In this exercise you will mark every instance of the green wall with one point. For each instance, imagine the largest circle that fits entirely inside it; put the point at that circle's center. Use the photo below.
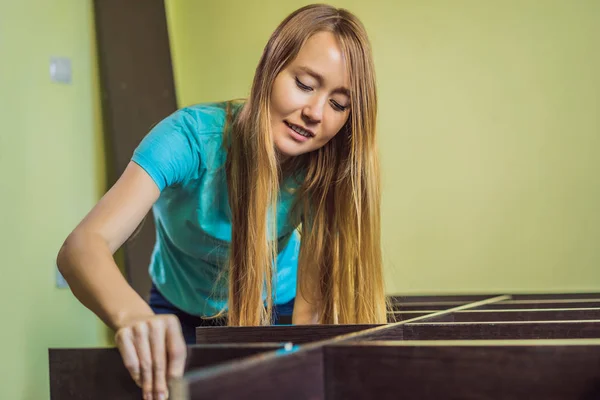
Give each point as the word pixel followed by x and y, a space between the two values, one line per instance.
pixel 51 163
pixel 489 130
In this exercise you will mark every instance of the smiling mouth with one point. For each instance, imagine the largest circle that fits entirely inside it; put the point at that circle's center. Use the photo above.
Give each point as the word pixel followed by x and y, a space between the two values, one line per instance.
pixel 299 130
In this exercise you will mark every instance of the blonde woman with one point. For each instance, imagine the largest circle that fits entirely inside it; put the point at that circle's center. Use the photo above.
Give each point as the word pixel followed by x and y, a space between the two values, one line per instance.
pixel 262 206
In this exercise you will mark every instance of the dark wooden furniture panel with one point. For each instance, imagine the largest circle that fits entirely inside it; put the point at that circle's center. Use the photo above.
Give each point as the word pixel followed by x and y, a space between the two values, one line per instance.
pixel 470 298
pixel 453 298
pixel 555 296
pixel 77 374
pixel 398 316
pixel 426 307
pixel 445 305
pixel 137 91
pixel 433 303
pixel 444 348
pixel 392 371
pixel 518 315
pixel 289 375
pixel 479 331
pixel 275 334
pixel 529 305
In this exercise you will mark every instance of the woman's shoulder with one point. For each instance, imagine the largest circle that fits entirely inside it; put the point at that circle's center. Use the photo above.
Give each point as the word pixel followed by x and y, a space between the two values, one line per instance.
pixel 208 118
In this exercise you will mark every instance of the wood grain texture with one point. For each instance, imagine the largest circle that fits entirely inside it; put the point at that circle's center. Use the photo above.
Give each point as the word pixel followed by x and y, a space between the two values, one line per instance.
pixel 437 358
pixel 556 296
pixel 426 307
pixel 137 91
pixel 519 315
pixel 398 316
pixel 99 373
pixel 491 330
pixel 510 305
pixel 275 334
pixel 289 375
pixel 455 298
pixel 357 371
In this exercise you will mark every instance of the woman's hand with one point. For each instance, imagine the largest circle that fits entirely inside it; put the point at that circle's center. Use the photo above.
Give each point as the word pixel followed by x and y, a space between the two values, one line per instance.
pixel 154 351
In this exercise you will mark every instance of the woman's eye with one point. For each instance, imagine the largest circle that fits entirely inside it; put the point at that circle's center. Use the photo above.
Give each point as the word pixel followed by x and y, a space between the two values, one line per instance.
pixel 303 86
pixel 338 106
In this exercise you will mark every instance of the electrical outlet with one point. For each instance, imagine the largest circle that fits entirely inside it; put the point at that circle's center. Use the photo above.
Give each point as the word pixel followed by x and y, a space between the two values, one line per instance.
pixel 60 69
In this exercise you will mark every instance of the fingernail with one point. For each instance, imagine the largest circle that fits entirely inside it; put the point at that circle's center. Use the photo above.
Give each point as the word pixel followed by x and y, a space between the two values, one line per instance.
pixel 161 396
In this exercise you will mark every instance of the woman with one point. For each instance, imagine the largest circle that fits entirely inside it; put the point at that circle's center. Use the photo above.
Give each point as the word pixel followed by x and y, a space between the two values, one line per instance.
pixel 234 186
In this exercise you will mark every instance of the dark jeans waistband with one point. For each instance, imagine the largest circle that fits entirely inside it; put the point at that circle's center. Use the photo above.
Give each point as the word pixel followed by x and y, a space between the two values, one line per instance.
pixel 160 305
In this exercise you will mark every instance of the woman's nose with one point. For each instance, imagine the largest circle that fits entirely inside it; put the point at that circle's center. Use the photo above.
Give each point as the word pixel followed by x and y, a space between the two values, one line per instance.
pixel 314 111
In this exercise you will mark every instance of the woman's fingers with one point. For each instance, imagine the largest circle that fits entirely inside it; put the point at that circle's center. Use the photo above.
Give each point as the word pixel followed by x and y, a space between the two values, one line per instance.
pixel 176 349
pixel 125 343
pixel 159 357
pixel 142 345
pixel 153 351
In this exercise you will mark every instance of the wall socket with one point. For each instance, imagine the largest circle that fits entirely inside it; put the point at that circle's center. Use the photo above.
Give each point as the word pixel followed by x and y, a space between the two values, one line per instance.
pixel 60 70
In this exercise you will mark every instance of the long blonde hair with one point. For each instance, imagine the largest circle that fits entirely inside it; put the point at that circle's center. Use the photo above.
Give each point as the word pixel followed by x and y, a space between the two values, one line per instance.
pixel 338 201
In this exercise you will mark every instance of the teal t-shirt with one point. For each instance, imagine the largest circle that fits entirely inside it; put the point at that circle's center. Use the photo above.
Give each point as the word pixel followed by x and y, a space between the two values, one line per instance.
pixel 185 157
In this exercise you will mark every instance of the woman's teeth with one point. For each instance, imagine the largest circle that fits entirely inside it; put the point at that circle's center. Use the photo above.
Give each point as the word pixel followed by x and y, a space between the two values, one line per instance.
pixel 299 131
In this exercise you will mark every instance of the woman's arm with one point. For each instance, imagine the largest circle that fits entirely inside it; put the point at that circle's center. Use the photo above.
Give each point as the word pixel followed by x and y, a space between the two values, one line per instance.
pixel 86 261
pixel 86 257
pixel 304 312
pixel 305 305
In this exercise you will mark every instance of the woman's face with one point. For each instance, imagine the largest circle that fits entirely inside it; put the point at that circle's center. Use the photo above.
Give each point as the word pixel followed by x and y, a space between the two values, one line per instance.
pixel 310 97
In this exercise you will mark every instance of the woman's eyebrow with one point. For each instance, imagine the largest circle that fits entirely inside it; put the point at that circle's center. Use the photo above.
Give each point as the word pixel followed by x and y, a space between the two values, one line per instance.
pixel 342 89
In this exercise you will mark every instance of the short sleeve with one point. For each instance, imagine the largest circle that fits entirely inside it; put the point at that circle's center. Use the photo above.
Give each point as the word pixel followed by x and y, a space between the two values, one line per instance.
pixel 169 152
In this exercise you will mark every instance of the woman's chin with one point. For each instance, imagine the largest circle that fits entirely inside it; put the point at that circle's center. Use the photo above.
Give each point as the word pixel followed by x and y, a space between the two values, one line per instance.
pixel 288 148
